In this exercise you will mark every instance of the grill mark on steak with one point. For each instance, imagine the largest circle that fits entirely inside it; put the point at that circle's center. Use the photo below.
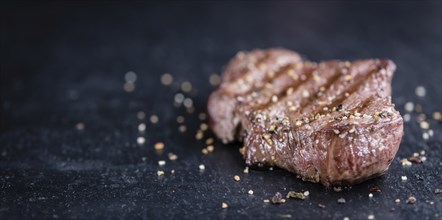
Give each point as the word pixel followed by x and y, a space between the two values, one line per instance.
pixel 349 88
pixel 270 78
pixel 224 119
pixel 253 78
pixel 354 139
pixel 265 95
pixel 283 95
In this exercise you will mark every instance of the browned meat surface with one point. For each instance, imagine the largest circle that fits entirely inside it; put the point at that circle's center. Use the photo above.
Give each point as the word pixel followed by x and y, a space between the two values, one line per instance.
pixel 331 122
pixel 245 73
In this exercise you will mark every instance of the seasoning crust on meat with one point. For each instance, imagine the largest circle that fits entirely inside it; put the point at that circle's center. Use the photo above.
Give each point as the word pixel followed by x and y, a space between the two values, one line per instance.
pixel 331 122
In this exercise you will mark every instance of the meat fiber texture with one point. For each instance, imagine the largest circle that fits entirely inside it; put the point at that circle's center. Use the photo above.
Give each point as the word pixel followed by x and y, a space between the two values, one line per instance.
pixel 331 122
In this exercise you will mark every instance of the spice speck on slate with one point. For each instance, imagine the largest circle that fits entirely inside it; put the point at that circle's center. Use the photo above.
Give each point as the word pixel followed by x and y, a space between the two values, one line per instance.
pixel 166 79
pixel 224 205
pixel 159 146
pixel 237 178
pixel 141 140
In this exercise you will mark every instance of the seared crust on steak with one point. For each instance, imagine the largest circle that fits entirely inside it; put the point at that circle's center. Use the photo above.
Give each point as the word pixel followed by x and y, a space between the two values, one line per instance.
pixel 244 74
pixel 331 122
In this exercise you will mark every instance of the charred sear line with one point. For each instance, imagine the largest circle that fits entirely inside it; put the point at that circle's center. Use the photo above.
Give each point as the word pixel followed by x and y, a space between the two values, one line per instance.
pixel 351 88
pixel 326 86
pixel 245 70
pixel 283 95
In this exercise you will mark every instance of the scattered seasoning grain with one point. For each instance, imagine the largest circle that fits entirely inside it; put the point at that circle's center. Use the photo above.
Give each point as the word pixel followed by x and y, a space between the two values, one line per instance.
pixel 397 201
pixel 246 170
pixel 210 148
pixel 407 117
pixel 172 156
pixel 268 139
pixel 236 178
pixel 437 191
pixel 179 98
pixel 159 146
pixel 202 167
pixel 305 93
pixel 199 135
pixel 370 195
pixel 203 126
pixel 154 119
pixel 180 119
pixel 204 151
pixel 141 127
pixel 130 77
pixel 341 201
pixel 242 150
pixel 129 87
pixel 182 128
pixel 141 115
pixel 425 136
pixel 141 140
pixel 209 141
pixel 250 192
pixel 188 103
pixel 424 125
pixel 409 106
pixel 266 200
pixel 202 116
pixel 437 116
pixel 337 189
pixel 272 128
pixel 172 171
pixel 370 217
pixel 224 205
pixel 277 198
pixel 295 195
pixel 80 126
pixel 404 178
pixel 306 193
pixel 214 79
pixel 420 91
pixel 166 79
pixel 161 162
pixel 186 86
pixel 411 200
pixel 321 206
pixel 160 172
pixel 346 218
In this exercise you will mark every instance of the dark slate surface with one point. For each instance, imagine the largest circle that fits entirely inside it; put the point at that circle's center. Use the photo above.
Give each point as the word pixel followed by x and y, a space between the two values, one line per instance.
pixel 64 63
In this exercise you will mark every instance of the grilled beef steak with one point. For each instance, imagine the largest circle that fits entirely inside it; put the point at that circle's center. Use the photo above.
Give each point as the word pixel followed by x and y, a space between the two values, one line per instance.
pixel 331 122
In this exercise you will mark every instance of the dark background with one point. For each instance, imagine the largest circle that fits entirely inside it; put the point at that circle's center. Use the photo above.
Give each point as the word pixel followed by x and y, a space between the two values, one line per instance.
pixel 64 63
